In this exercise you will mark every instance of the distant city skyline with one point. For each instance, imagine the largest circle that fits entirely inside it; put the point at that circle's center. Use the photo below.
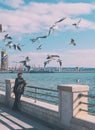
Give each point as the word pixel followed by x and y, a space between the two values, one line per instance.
pixel 27 19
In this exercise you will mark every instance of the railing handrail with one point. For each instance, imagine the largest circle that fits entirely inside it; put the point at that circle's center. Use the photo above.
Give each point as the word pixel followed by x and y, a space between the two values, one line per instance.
pixel 87 103
pixel 37 93
pixel 90 96
pixel 43 88
pixel 42 94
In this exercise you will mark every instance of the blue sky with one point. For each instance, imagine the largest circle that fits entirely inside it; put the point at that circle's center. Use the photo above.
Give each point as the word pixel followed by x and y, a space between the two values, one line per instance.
pixel 27 19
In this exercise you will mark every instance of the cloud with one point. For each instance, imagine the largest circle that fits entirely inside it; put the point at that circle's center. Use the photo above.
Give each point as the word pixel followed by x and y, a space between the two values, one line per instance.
pixel 12 3
pixel 38 17
pixel 81 58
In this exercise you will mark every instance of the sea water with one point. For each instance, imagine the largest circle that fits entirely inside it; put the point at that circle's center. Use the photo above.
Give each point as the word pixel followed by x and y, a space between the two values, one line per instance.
pixel 51 80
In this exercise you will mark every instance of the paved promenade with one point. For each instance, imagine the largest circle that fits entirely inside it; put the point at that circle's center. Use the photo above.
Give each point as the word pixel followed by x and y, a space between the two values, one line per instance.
pixel 12 120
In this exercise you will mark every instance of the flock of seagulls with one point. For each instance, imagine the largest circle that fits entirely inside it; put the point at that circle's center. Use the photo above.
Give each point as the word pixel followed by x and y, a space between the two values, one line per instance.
pixel 49 32
pixel 52 28
pixel 50 58
pixel 9 42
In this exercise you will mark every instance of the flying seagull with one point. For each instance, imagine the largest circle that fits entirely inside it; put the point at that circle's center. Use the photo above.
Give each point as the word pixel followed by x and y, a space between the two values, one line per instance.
pixel 73 42
pixel 7 37
pixel 54 25
pixel 49 32
pixel 52 28
pixel 76 24
pixel 27 59
pixel 39 47
pixel 46 62
pixel 10 44
pixel 60 62
pixel 60 20
pixel 52 56
pixel 24 62
pixel 37 38
pixel 17 47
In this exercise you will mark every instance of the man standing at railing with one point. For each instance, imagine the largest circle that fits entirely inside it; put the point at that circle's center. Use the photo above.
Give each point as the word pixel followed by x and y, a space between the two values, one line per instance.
pixel 18 90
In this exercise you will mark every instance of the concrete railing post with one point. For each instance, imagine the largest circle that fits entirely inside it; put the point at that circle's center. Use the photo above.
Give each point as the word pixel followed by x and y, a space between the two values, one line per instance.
pixel 69 101
pixel 9 89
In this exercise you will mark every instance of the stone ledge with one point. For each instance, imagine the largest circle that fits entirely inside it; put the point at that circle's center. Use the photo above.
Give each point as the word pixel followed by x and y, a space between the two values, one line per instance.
pixel 87 121
pixel 40 103
pixel 73 87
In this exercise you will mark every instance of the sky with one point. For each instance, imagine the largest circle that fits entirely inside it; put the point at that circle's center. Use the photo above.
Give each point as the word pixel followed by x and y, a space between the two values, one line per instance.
pixel 27 19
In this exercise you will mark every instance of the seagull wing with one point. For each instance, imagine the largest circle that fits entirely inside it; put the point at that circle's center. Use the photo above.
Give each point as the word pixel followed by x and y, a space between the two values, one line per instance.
pixel 46 62
pixel 18 47
pixel 9 38
pixel 50 29
pixel 15 47
pixel 45 36
pixel 55 56
pixel 60 20
pixel 39 47
pixel 9 43
pixel 6 35
pixel 48 57
pixel 60 62
pixel 79 21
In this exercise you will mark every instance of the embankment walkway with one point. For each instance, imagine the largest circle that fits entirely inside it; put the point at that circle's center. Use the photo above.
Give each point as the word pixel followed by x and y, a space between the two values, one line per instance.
pixel 14 120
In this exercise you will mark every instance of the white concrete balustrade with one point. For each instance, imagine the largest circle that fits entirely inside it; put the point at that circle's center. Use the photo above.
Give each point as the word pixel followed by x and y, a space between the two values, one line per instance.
pixel 67 114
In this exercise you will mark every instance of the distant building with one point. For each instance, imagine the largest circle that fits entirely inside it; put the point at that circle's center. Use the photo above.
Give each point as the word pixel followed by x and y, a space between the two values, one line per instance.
pixel 4 60
pixel 0 27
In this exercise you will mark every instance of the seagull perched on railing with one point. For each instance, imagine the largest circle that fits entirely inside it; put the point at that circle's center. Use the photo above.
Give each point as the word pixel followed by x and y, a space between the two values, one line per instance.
pixel 76 24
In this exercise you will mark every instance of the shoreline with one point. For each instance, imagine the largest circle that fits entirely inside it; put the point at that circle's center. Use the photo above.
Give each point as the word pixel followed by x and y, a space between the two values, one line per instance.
pixel 48 71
